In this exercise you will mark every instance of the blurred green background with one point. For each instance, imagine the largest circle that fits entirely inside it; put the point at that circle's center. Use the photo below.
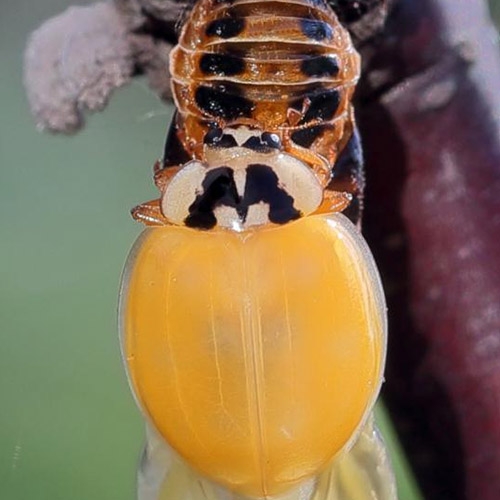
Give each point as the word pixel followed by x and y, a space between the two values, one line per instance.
pixel 69 428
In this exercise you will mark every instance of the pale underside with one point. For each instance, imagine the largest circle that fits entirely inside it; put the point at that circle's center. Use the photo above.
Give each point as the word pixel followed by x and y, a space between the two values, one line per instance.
pixel 362 473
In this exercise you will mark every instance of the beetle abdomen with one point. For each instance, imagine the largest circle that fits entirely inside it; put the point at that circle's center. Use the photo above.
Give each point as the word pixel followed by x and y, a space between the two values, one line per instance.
pixel 288 68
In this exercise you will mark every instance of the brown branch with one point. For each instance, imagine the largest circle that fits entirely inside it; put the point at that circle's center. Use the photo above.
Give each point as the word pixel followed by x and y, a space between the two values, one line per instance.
pixel 432 136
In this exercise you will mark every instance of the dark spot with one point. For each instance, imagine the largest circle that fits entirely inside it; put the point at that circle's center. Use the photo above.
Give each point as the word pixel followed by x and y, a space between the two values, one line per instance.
pixel 350 11
pixel 316 30
pixel 262 184
pixel 306 136
pixel 217 139
pixel 272 140
pixel 265 143
pixel 219 189
pixel 228 27
pixel 320 66
pixel 213 136
pixel 221 64
pixel 223 101
pixel 322 107
pixel 227 141
pixel 254 143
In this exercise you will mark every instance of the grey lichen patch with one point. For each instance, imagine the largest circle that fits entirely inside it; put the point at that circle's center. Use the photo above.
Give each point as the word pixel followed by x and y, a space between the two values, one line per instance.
pixel 73 62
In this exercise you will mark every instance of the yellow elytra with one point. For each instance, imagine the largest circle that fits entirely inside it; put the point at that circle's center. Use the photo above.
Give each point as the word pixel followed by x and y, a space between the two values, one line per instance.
pixel 257 355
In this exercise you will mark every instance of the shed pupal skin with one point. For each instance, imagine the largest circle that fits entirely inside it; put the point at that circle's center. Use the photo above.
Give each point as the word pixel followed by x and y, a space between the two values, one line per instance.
pixel 245 179
pixel 290 69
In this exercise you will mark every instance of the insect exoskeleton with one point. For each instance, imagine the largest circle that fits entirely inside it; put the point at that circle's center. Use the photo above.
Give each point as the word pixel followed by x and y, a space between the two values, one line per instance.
pixel 244 180
pixel 257 355
pixel 287 67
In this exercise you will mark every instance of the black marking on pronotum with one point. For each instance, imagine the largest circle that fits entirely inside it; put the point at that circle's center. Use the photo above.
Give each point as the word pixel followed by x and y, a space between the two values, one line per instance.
pixel 316 30
pixel 265 143
pixel 323 105
pixel 226 28
pixel 223 101
pixel 219 188
pixel 320 66
pixel 306 136
pixel 221 64
pixel 262 184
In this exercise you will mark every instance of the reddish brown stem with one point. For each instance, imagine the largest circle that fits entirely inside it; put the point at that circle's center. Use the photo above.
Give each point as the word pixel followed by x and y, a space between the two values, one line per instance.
pixel 432 136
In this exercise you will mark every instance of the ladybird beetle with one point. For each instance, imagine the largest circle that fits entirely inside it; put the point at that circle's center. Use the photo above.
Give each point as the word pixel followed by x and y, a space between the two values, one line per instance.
pixel 253 320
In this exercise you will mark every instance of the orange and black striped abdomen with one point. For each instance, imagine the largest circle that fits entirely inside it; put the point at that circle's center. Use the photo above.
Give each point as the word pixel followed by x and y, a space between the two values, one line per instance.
pixel 285 67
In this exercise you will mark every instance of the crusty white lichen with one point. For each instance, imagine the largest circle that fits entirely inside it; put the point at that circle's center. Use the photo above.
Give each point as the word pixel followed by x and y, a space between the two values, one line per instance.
pixel 74 61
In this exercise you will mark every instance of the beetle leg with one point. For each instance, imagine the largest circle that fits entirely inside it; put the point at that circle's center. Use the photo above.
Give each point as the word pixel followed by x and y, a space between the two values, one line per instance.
pixel 334 201
pixel 294 115
pixel 320 165
pixel 149 213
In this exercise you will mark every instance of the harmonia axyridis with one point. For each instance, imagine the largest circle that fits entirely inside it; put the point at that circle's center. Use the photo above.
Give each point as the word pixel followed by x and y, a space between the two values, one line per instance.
pixel 252 316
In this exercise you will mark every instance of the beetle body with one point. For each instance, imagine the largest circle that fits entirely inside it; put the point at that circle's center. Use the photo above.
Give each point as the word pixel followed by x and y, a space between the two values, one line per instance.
pixel 256 355
pixel 253 319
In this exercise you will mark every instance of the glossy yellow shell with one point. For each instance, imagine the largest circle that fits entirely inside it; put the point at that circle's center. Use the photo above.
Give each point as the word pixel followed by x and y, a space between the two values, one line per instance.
pixel 256 355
